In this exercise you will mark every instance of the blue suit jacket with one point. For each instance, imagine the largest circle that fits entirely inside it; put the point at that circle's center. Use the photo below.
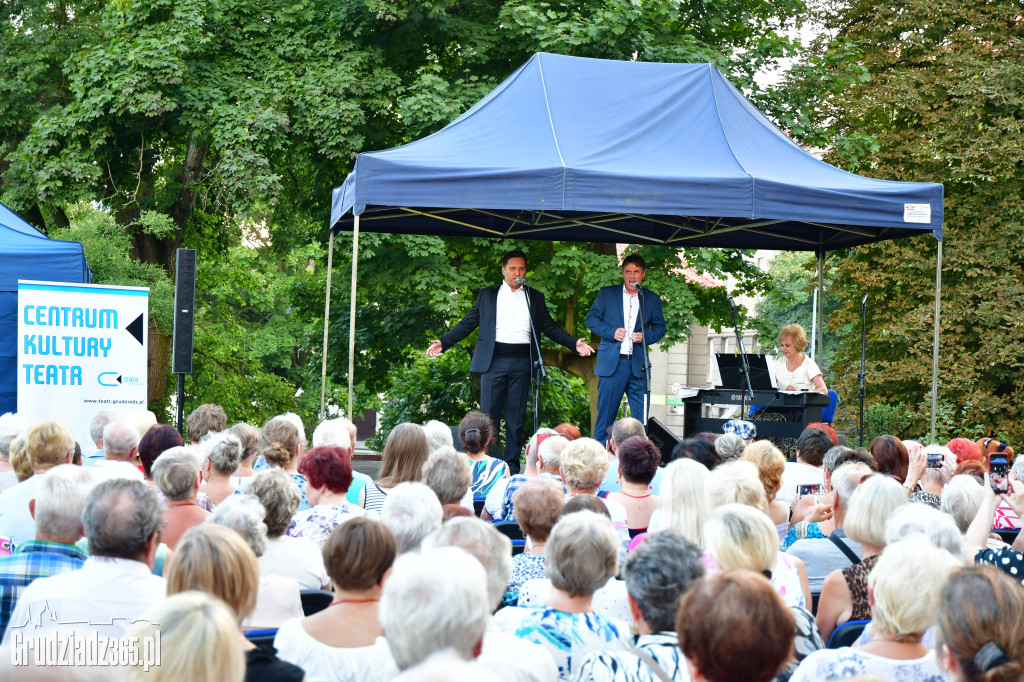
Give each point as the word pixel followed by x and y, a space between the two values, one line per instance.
pixel 606 316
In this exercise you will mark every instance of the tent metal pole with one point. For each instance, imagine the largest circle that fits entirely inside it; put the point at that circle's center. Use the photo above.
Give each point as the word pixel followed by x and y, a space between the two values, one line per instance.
pixel 352 317
pixel 327 320
pixel 935 339
pixel 820 305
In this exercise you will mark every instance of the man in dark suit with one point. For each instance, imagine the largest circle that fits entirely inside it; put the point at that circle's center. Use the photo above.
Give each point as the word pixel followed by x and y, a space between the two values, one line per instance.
pixel 504 352
pixel 620 356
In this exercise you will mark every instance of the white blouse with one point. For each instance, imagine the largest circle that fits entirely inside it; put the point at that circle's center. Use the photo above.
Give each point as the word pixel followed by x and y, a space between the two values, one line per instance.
pixel 802 379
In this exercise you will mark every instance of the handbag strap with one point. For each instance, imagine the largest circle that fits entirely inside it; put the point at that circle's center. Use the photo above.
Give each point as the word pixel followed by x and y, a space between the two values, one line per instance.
pixel 844 548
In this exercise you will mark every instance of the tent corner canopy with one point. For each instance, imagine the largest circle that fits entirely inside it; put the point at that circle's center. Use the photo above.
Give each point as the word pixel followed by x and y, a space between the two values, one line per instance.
pixel 593 150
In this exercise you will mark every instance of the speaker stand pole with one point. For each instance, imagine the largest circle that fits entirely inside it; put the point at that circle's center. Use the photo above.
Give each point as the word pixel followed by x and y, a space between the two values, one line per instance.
pixel 181 403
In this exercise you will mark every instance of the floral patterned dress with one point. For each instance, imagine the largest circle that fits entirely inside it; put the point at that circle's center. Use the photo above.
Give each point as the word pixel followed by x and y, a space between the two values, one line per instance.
pixel 571 636
pixel 486 473
pixel 316 523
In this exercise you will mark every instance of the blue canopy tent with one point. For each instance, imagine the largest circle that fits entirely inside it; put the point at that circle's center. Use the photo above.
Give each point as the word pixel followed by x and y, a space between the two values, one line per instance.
pixel 578 149
pixel 27 253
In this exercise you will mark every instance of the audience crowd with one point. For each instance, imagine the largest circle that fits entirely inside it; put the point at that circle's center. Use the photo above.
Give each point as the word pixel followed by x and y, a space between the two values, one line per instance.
pixel 251 554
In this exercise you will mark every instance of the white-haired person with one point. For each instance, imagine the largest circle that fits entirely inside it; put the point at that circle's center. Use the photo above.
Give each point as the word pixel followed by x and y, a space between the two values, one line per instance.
pixel 412 512
pixel 222 452
pixel 738 482
pixel 277 598
pixel 176 474
pixel 925 483
pixel 583 466
pixel 439 435
pixel 582 554
pixel 543 458
pixel 249 437
pixel 328 474
pixel 502 653
pixel 215 560
pixel 538 505
pixel 198 641
pixel 960 499
pixel 447 473
pixel 729 446
pixel 299 557
pixel 657 574
pixel 771 464
pixel 905 587
pixel 341 433
pixel 345 641
pixel 433 601
pixel 844 594
pixel 684 502
pixel 57 510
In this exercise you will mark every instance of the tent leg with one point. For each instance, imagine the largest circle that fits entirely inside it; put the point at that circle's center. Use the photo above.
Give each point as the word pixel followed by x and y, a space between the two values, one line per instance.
pixel 327 319
pixel 819 335
pixel 352 317
pixel 935 338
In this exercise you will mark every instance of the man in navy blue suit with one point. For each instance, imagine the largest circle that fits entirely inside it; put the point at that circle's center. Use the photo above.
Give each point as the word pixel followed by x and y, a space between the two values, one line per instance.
pixel 616 318
pixel 504 352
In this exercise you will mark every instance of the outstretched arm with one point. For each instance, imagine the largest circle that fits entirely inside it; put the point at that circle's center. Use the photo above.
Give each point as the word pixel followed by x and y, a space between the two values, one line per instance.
pixel 460 331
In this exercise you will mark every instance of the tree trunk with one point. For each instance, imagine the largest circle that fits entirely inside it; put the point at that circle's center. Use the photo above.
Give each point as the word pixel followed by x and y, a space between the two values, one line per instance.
pixel 158 362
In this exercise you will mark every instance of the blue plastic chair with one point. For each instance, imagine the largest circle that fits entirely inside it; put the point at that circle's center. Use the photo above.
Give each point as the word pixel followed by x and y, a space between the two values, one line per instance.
pixel 259 637
pixel 828 414
pixel 847 634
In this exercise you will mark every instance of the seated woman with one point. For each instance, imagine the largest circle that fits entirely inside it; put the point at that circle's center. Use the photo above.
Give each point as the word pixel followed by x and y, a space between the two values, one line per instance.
pixel 981 627
pixel 475 432
pixel 328 473
pixel 216 560
pixel 722 628
pixel 176 474
pixel 345 641
pixel 795 371
pixel 684 502
pixel 582 554
pixel 657 575
pixel 281 447
pixel 905 583
pixel 249 437
pixel 892 456
pixel 770 463
pixel 447 473
pixel 158 439
pixel 738 483
pixel 405 451
pixel 638 463
pixel 537 505
pixel 583 467
pixel 223 453
pixel 844 593
pixel 297 558
pixel 199 641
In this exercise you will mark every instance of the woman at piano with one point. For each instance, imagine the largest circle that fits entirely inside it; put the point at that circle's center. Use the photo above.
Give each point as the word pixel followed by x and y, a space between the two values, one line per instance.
pixel 794 370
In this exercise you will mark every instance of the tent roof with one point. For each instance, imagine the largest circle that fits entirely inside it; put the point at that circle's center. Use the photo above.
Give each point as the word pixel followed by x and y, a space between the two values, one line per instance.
pixel 578 149
pixel 27 253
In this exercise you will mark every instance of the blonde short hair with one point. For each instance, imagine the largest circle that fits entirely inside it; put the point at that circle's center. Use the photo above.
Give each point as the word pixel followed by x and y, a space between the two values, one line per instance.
pixel 684 499
pixel 736 482
pixel 18 457
pixel 906 583
pixel 584 464
pixel 199 641
pixel 48 444
pixel 740 536
pixel 796 334
pixel 770 463
pixel 582 553
pixel 216 560
pixel 874 500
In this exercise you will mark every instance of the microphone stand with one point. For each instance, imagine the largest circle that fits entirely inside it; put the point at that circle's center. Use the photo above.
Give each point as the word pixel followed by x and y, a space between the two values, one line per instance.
pixel 863 359
pixel 743 362
pixel 645 374
pixel 538 363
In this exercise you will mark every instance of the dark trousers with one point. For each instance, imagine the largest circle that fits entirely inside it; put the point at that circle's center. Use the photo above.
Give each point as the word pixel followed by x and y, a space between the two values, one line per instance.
pixel 609 396
pixel 504 389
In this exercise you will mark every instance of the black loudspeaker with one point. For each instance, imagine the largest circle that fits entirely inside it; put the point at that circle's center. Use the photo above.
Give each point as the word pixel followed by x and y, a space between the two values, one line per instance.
pixel 184 310
pixel 662 438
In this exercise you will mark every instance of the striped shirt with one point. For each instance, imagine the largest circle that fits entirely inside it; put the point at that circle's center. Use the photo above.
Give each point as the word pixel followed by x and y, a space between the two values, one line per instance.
pixel 33 559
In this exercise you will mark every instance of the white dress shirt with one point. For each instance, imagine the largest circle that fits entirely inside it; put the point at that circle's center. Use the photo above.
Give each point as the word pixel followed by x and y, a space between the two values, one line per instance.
pixel 512 316
pixel 630 309
pixel 103 596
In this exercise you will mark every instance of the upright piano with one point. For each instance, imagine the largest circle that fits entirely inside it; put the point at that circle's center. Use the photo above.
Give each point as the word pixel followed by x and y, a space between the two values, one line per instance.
pixel 797 409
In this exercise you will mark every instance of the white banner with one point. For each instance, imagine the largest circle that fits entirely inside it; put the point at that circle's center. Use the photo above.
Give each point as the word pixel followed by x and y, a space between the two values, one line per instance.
pixel 81 349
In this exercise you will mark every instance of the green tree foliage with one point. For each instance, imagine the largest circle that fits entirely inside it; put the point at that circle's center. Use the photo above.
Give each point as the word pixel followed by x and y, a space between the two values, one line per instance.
pixel 215 116
pixel 933 91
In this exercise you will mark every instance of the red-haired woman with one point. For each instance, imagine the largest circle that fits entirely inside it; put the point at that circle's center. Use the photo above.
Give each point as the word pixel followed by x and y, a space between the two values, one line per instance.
pixel 328 473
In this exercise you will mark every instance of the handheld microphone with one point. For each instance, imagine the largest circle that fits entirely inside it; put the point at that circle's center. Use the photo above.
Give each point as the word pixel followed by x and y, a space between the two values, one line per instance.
pixel 520 280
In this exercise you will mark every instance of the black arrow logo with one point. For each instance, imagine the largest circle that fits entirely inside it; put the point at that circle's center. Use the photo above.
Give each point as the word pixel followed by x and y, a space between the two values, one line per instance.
pixel 135 329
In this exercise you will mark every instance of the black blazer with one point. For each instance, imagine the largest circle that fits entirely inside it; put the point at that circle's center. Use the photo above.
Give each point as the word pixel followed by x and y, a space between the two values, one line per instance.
pixel 483 315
